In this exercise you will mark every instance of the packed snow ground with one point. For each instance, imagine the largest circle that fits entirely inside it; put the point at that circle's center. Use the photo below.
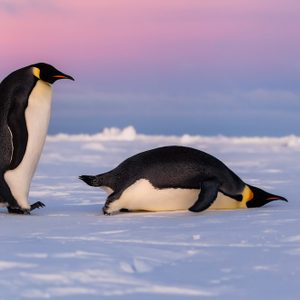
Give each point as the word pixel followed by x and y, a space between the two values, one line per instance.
pixel 69 250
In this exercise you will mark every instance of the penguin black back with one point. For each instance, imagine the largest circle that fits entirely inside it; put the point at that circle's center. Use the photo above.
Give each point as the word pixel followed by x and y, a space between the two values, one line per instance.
pixel 176 167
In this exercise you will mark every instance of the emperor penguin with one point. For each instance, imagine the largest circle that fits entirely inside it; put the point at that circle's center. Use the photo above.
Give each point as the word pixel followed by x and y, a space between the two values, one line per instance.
pixel 175 178
pixel 25 107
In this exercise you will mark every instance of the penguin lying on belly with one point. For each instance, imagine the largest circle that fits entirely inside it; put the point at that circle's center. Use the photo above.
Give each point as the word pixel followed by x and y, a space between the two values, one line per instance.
pixel 175 178
pixel 25 106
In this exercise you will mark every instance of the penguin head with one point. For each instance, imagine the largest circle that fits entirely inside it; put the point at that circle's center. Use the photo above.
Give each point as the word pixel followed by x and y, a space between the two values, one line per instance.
pixel 260 197
pixel 48 73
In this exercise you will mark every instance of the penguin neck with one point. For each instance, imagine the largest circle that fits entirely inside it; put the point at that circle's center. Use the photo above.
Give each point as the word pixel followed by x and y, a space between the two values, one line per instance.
pixel 247 195
pixel 38 111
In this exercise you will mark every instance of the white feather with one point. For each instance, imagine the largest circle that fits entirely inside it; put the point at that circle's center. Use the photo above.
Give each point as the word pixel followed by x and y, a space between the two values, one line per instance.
pixel 143 196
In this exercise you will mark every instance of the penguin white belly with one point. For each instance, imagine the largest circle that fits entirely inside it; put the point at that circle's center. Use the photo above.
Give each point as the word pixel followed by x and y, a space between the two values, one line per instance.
pixel 142 195
pixel 37 116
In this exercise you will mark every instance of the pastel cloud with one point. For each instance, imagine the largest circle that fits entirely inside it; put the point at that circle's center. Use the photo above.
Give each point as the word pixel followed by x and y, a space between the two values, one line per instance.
pixel 134 33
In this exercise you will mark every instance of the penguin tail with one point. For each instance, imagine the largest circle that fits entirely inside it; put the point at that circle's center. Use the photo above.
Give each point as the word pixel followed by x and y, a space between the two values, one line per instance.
pixel 90 180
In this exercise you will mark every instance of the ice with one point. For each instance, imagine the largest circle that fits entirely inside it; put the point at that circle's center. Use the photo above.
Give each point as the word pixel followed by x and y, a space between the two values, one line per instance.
pixel 70 250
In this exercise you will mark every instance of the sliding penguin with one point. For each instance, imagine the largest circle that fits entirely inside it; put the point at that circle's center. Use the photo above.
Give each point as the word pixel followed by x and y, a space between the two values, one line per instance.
pixel 175 178
pixel 25 106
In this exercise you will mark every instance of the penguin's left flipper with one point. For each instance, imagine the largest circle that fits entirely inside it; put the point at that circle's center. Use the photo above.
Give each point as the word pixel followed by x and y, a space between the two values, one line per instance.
pixel 207 195
pixel 35 205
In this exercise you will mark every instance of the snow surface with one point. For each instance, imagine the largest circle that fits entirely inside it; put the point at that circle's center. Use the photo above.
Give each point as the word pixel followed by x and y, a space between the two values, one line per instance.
pixel 69 250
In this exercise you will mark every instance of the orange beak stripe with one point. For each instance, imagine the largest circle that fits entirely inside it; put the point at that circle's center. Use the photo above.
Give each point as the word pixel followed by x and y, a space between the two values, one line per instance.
pixel 59 76
pixel 276 198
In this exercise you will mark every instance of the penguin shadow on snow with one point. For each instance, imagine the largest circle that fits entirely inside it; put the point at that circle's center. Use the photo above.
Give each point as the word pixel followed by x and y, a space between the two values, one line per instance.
pixel 26 96
pixel 175 178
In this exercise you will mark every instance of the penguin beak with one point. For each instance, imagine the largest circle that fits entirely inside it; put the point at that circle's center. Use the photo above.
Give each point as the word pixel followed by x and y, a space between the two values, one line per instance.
pixel 260 197
pixel 63 76
pixel 275 197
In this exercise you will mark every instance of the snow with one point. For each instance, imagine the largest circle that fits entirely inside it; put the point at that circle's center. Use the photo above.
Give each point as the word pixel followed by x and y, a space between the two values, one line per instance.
pixel 69 250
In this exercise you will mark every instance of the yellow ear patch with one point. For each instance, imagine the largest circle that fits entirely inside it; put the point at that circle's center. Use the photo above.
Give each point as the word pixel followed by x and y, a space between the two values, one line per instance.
pixel 36 72
pixel 247 195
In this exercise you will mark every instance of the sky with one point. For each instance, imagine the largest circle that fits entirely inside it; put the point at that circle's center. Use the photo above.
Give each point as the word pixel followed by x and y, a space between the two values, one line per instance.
pixel 206 67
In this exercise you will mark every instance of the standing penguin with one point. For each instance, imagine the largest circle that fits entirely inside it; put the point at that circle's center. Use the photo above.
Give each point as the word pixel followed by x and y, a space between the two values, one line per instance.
pixel 25 107
pixel 176 178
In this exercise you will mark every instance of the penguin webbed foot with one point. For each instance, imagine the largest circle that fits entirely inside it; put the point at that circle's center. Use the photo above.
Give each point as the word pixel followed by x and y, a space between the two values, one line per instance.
pixel 122 210
pixel 105 212
pixel 36 205
pixel 18 211
pixel 207 195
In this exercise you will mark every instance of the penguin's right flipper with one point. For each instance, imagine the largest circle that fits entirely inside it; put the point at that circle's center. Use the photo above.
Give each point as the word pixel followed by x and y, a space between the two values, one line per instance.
pixel 207 195
pixel 17 126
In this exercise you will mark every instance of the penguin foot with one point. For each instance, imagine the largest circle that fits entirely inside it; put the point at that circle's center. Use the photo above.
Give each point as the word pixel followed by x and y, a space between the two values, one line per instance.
pixel 105 212
pixel 18 211
pixel 106 208
pixel 35 205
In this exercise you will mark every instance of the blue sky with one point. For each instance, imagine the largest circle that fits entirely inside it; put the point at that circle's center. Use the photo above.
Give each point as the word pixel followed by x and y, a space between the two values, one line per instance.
pixel 173 67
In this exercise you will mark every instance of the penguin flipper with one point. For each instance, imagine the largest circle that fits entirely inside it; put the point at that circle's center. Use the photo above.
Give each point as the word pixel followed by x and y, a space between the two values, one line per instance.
pixel 19 134
pixel 207 195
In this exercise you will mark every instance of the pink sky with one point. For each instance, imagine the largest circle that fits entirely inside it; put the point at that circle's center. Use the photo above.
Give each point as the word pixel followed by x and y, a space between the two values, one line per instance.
pixel 145 34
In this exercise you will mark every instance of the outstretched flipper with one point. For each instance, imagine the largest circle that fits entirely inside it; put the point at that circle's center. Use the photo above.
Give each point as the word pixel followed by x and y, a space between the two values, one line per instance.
pixel 207 195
